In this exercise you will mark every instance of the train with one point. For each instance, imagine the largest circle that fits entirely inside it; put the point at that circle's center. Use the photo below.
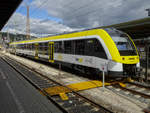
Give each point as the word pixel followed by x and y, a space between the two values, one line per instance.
pixel 93 51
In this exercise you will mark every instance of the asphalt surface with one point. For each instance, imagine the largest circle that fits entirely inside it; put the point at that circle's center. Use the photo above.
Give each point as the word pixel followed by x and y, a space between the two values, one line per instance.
pixel 19 96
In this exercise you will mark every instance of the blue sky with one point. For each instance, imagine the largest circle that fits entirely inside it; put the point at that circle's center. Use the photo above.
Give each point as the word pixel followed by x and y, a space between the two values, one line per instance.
pixel 36 12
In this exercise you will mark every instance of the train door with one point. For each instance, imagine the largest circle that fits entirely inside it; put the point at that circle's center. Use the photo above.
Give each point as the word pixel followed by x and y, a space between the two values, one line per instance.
pixel 51 51
pixel 36 50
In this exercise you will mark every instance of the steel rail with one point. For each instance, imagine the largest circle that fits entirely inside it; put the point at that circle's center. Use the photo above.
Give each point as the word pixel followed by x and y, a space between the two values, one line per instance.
pixel 133 91
pixel 60 84
pixel 139 85
pixel 35 85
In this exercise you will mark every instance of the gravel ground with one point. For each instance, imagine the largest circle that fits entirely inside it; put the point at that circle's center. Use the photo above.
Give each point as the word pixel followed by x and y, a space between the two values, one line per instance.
pixel 105 97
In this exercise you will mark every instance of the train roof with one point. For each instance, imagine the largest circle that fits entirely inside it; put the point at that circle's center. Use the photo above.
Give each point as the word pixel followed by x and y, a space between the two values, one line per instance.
pixel 59 36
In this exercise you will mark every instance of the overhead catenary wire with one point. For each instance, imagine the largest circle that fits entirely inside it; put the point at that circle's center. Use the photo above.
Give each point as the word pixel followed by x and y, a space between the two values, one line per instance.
pixel 68 4
pixel 73 15
pixel 81 7
pixel 41 5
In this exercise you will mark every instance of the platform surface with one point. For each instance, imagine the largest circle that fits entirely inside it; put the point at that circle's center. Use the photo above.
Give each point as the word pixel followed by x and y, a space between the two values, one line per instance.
pixel 19 96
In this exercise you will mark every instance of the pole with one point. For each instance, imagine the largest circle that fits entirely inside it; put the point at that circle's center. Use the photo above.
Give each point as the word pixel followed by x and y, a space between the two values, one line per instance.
pixel 103 79
pixel 59 68
pixel 28 24
pixel 147 62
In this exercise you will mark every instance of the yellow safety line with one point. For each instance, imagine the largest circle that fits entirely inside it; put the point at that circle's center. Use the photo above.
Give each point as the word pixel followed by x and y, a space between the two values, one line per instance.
pixel 74 87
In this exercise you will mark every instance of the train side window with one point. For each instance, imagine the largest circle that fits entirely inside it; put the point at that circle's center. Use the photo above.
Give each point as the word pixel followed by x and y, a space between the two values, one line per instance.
pixel 20 46
pixel 17 46
pixel 45 45
pixel 67 47
pixel 26 46
pixel 58 47
pixel 99 50
pixel 23 46
pixel 80 47
pixel 45 48
pixel 89 49
pixel 73 47
pixel 33 47
pixel 30 47
pixel 94 48
pixel 40 46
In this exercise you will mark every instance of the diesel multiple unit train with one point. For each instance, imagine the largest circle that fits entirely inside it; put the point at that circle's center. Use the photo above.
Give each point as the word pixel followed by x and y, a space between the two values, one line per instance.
pixel 91 51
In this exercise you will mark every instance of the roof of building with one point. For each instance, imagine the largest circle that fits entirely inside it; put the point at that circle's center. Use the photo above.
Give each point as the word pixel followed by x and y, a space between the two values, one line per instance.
pixel 7 8
pixel 137 29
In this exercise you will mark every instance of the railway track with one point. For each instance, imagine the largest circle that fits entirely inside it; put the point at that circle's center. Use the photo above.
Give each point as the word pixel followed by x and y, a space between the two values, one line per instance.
pixel 76 103
pixel 134 90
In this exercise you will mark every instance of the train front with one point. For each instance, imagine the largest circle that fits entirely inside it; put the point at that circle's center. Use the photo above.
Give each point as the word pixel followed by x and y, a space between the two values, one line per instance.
pixel 125 58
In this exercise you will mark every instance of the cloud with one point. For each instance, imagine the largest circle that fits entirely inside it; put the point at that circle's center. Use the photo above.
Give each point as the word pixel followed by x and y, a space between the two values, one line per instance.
pixel 81 14
pixel 88 13
pixel 38 27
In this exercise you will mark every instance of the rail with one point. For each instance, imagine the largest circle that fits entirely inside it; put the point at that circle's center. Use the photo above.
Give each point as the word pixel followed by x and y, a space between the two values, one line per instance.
pixel 57 101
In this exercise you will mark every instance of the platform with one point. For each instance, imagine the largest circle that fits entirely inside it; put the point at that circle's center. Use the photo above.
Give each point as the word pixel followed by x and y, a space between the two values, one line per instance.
pixel 19 96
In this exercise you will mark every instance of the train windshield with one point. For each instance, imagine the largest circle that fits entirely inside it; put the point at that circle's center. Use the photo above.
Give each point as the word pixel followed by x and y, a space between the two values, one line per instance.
pixel 122 41
pixel 124 45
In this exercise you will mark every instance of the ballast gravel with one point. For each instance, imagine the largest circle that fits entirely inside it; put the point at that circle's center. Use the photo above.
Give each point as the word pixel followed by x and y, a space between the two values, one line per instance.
pixel 102 96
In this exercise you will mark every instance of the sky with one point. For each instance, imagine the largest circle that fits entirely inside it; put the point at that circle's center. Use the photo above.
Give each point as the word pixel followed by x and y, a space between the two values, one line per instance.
pixel 58 16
